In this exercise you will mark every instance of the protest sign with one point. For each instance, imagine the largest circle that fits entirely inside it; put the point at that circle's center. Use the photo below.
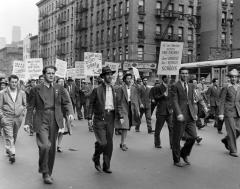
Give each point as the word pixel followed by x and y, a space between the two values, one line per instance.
pixel 61 68
pixel 79 65
pixel 34 67
pixel 19 69
pixel 170 58
pixel 93 63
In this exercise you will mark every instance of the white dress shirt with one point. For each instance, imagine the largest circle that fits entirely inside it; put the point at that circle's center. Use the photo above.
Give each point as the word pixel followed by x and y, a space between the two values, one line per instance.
pixel 129 93
pixel 13 94
pixel 109 98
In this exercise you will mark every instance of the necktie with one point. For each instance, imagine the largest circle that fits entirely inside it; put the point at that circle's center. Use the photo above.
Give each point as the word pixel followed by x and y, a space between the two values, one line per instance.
pixel 185 87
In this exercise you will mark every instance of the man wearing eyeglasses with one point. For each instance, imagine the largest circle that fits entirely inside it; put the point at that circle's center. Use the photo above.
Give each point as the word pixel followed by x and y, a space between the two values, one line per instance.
pixel 48 100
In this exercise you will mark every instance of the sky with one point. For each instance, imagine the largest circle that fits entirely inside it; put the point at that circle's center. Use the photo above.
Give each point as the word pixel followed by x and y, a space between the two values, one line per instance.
pixel 23 13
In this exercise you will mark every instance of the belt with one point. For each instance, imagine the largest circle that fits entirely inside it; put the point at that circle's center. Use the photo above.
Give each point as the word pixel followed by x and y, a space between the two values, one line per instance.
pixel 109 110
pixel 49 109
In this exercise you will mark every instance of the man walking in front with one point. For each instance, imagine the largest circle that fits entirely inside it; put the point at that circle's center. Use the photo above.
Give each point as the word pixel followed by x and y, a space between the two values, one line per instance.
pixel 12 109
pixel 184 119
pixel 48 100
pixel 103 109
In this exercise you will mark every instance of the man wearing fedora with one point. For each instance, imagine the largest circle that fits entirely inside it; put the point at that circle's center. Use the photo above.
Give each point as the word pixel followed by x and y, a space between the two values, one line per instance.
pixel 103 109
pixel 230 112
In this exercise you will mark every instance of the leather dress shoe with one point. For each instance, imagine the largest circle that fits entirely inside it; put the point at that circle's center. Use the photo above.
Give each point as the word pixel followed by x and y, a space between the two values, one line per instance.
pixel 109 171
pixel 224 141
pixel 234 154
pixel 179 164
pixel 97 165
pixel 158 146
pixel 198 140
pixel 220 132
pixel 47 179
pixel 150 132
pixel 186 160
pixel 12 158
pixel 123 147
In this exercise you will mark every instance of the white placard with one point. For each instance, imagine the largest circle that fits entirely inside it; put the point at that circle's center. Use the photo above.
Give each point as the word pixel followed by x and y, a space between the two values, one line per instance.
pixel 114 67
pixel 61 68
pixel 170 58
pixel 34 67
pixel 79 65
pixel 135 73
pixel 19 69
pixel 93 63
pixel 71 72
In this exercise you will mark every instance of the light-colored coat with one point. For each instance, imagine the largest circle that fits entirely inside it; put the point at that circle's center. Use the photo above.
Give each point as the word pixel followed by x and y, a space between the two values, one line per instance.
pixel 122 99
pixel 9 108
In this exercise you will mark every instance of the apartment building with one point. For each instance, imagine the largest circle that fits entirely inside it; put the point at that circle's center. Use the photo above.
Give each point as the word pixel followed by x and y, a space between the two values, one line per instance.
pixel 216 29
pixel 236 29
pixel 56 31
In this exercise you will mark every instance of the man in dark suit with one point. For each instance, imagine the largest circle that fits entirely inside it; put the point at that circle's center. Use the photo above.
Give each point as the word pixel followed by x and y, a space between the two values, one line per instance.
pixel 144 91
pixel 230 112
pixel 164 111
pixel 48 100
pixel 152 93
pixel 71 87
pixel 103 109
pixel 184 119
pixel 213 94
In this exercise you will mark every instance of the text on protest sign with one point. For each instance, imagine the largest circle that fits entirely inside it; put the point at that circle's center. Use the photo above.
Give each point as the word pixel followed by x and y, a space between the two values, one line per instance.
pixel 79 65
pixel 170 58
pixel 34 67
pixel 93 63
pixel 61 68
pixel 19 69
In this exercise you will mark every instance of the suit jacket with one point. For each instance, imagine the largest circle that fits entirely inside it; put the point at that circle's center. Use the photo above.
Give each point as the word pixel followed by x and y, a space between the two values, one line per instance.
pixel 9 108
pixel 213 94
pixel 122 98
pixel 72 93
pixel 145 96
pixel 230 102
pixel 62 104
pixel 164 104
pixel 97 103
pixel 182 101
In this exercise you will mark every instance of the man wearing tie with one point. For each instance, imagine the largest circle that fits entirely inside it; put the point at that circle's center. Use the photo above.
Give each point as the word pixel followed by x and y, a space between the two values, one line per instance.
pixel 164 111
pixel 184 119
pixel 103 109
pixel 230 112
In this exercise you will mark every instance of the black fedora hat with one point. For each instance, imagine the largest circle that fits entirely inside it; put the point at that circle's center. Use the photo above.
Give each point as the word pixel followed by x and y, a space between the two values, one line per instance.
pixel 106 70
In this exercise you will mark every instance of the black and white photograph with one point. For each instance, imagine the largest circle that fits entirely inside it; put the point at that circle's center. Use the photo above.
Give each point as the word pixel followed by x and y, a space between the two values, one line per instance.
pixel 119 94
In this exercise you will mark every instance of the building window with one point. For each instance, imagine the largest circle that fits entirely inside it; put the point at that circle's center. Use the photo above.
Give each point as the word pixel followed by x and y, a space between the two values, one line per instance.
pixel 170 7
pixel 223 38
pixel 102 17
pixel 190 34
pixel 224 17
pixel 109 13
pixel 114 11
pixel 97 38
pixel 170 32
pixel 127 6
pixel 126 29
pixel 140 29
pixel 158 29
pixel 120 30
pixel 102 36
pixel 180 33
pixel 98 17
pixel 114 33
pixel 120 9
pixel 140 53
pixel 108 54
pixel 120 54
pixel 114 54
pixel 126 52
pixel 181 12
pixel 141 5
pixel 190 10
pixel 108 34
pixel 159 5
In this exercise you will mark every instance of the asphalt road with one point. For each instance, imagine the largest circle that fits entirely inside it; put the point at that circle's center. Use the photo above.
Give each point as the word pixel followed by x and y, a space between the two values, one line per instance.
pixel 141 167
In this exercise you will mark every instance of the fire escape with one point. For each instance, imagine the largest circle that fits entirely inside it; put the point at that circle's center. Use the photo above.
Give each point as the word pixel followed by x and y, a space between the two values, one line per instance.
pixel 81 30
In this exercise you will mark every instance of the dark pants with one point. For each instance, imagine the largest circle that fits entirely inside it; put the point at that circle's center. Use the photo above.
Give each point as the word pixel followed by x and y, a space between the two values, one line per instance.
pixel 46 141
pixel 215 112
pixel 103 130
pixel 79 110
pixel 159 125
pixel 147 112
pixel 188 128
pixel 153 105
pixel 73 104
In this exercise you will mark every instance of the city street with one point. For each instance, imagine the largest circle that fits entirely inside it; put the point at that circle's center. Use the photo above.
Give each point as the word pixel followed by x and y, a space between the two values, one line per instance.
pixel 141 167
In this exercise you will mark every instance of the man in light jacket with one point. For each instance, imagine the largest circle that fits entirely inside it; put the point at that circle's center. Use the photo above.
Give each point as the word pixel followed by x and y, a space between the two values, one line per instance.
pixel 12 109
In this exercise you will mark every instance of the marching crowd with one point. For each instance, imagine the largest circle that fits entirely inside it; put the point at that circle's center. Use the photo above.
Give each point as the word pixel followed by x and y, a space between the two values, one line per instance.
pixel 49 104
